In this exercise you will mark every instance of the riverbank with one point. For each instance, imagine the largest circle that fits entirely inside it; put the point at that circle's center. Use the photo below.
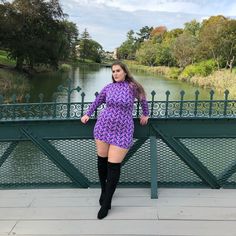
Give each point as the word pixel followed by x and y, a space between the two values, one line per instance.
pixel 219 80
pixel 13 82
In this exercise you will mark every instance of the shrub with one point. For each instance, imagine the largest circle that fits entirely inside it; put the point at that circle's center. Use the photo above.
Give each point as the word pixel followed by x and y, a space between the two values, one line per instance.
pixel 12 82
pixel 174 72
pixel 203 68
pixel 65 67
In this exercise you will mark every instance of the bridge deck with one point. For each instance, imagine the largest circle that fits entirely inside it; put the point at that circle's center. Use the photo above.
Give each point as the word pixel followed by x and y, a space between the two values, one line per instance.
pixel 73 212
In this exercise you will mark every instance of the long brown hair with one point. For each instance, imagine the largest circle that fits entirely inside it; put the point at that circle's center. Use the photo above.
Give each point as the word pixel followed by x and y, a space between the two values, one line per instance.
pixel 138 88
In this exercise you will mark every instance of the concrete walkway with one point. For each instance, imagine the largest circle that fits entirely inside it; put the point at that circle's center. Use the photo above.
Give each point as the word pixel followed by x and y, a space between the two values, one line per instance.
pixel 46 212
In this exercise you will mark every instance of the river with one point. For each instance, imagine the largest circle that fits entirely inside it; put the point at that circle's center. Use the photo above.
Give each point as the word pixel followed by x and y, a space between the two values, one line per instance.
pixel 92 79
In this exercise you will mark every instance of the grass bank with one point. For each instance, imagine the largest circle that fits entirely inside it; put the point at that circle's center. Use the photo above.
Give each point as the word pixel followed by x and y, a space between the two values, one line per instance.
pixel 4 60
pixel 133 65
pixel 12 82
pixel 219 80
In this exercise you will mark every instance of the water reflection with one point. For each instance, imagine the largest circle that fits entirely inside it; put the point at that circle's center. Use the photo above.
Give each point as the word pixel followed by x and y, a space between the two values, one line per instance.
pixel 47 84
pixel 92 79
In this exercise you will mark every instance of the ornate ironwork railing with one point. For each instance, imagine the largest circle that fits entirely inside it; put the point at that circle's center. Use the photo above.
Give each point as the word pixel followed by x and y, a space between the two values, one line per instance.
pixel 166 109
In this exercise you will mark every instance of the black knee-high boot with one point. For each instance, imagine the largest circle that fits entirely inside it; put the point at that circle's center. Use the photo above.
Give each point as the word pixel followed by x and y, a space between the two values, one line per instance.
pixel 113 177
pixel 102 173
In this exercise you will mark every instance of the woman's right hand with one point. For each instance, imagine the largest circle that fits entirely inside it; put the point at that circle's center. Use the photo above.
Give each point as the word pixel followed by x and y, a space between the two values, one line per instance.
pixel 84 119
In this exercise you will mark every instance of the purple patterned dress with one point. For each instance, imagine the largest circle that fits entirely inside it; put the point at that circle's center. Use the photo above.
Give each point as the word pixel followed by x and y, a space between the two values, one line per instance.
pixel 115 123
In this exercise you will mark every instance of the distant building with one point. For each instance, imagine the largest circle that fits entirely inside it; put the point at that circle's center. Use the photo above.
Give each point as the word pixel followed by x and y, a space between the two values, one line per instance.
pixel 115 54
pixel 77 48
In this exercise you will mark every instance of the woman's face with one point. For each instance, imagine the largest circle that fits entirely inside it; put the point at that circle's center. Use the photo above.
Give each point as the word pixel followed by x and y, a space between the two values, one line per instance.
pixel 118 73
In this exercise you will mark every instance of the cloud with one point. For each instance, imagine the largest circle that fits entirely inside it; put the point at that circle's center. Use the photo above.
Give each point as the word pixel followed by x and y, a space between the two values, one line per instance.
pixel 184 6
pixel 108 21
pixel 167 6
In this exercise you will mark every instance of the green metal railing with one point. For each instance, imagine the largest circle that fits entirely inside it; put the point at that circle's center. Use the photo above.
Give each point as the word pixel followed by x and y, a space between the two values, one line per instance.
pixel 185 144
pixel 158 109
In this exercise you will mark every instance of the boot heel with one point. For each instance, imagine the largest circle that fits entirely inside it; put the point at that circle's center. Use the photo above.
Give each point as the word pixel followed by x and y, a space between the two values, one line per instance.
pixel 101 201
pixel 102 212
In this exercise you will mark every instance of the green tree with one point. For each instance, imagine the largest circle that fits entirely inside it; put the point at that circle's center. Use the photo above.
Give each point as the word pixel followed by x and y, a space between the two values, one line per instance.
pixel 128 48
pixel 210 36
pixel 170 36
pixel 147 53
pixel 35 32
pixel 144 34
pixel 163 55
pixel 229 43
pixel 89 48
pixel 84 44
pixel 70 39
pixel 193 27
pixel 184 49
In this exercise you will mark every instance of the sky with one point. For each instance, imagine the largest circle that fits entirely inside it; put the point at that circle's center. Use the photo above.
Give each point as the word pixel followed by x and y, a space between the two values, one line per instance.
pixel 108 21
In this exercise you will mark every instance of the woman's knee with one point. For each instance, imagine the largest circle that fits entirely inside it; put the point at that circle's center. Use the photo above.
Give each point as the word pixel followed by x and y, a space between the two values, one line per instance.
pixel 116 154
pixel 102 148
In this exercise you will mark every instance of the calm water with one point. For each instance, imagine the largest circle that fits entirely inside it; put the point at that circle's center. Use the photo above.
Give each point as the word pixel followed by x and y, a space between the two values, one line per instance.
pixel 92 79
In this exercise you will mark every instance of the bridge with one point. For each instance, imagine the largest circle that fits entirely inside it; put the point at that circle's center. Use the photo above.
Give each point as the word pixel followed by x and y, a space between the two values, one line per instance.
pixel 186 144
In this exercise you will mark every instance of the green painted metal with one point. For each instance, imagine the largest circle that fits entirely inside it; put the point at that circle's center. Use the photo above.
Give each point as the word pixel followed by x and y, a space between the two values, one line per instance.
pixel 181 103
pixel 228 172
pixel 153 153
pixel 197 128
pixel 55 156
pixel 133 149
pixel 169 151
pixel 189 159
pixel 158 109
pixel 8 152
pixel 175 129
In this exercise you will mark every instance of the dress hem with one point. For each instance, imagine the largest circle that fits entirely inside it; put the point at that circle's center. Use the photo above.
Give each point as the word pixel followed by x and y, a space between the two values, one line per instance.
pixel 115 144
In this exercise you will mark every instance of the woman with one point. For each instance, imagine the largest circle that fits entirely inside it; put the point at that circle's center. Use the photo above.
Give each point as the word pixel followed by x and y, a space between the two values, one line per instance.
pixel 114 129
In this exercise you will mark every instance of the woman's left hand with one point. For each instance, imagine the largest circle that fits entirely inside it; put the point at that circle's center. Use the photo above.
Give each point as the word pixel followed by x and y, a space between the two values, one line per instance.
pixel 144 120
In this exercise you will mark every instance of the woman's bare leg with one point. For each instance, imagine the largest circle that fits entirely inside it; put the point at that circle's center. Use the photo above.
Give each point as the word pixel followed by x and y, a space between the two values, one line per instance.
pixel 116 154
pixel 102 148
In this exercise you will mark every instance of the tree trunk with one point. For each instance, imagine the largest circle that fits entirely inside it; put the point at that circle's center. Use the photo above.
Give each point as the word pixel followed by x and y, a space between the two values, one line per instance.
pixel 231 64
pixel 31 65
pixel 19 63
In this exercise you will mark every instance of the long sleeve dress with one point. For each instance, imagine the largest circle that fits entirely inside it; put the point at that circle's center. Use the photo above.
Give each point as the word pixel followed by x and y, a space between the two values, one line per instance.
pixel 115 123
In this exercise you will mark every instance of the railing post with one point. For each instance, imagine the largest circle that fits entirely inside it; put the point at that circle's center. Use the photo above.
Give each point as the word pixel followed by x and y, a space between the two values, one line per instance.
pixel 167 103
pixel 96 111
pixel 211 102
pixel 181 102
pixel 41 105
pixel 137 110
pixel 26 107
pixel 54 99
pixel 1 102
pixel 82 103
pixel 68 98
pixel 14 106
pixel 196 102
pixel 69 91
pixel 226 101
pixel 152 104
pixel 153 154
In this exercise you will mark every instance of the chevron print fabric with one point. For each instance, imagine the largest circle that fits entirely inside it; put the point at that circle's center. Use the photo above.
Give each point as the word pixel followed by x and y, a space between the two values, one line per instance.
pixel 115 123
